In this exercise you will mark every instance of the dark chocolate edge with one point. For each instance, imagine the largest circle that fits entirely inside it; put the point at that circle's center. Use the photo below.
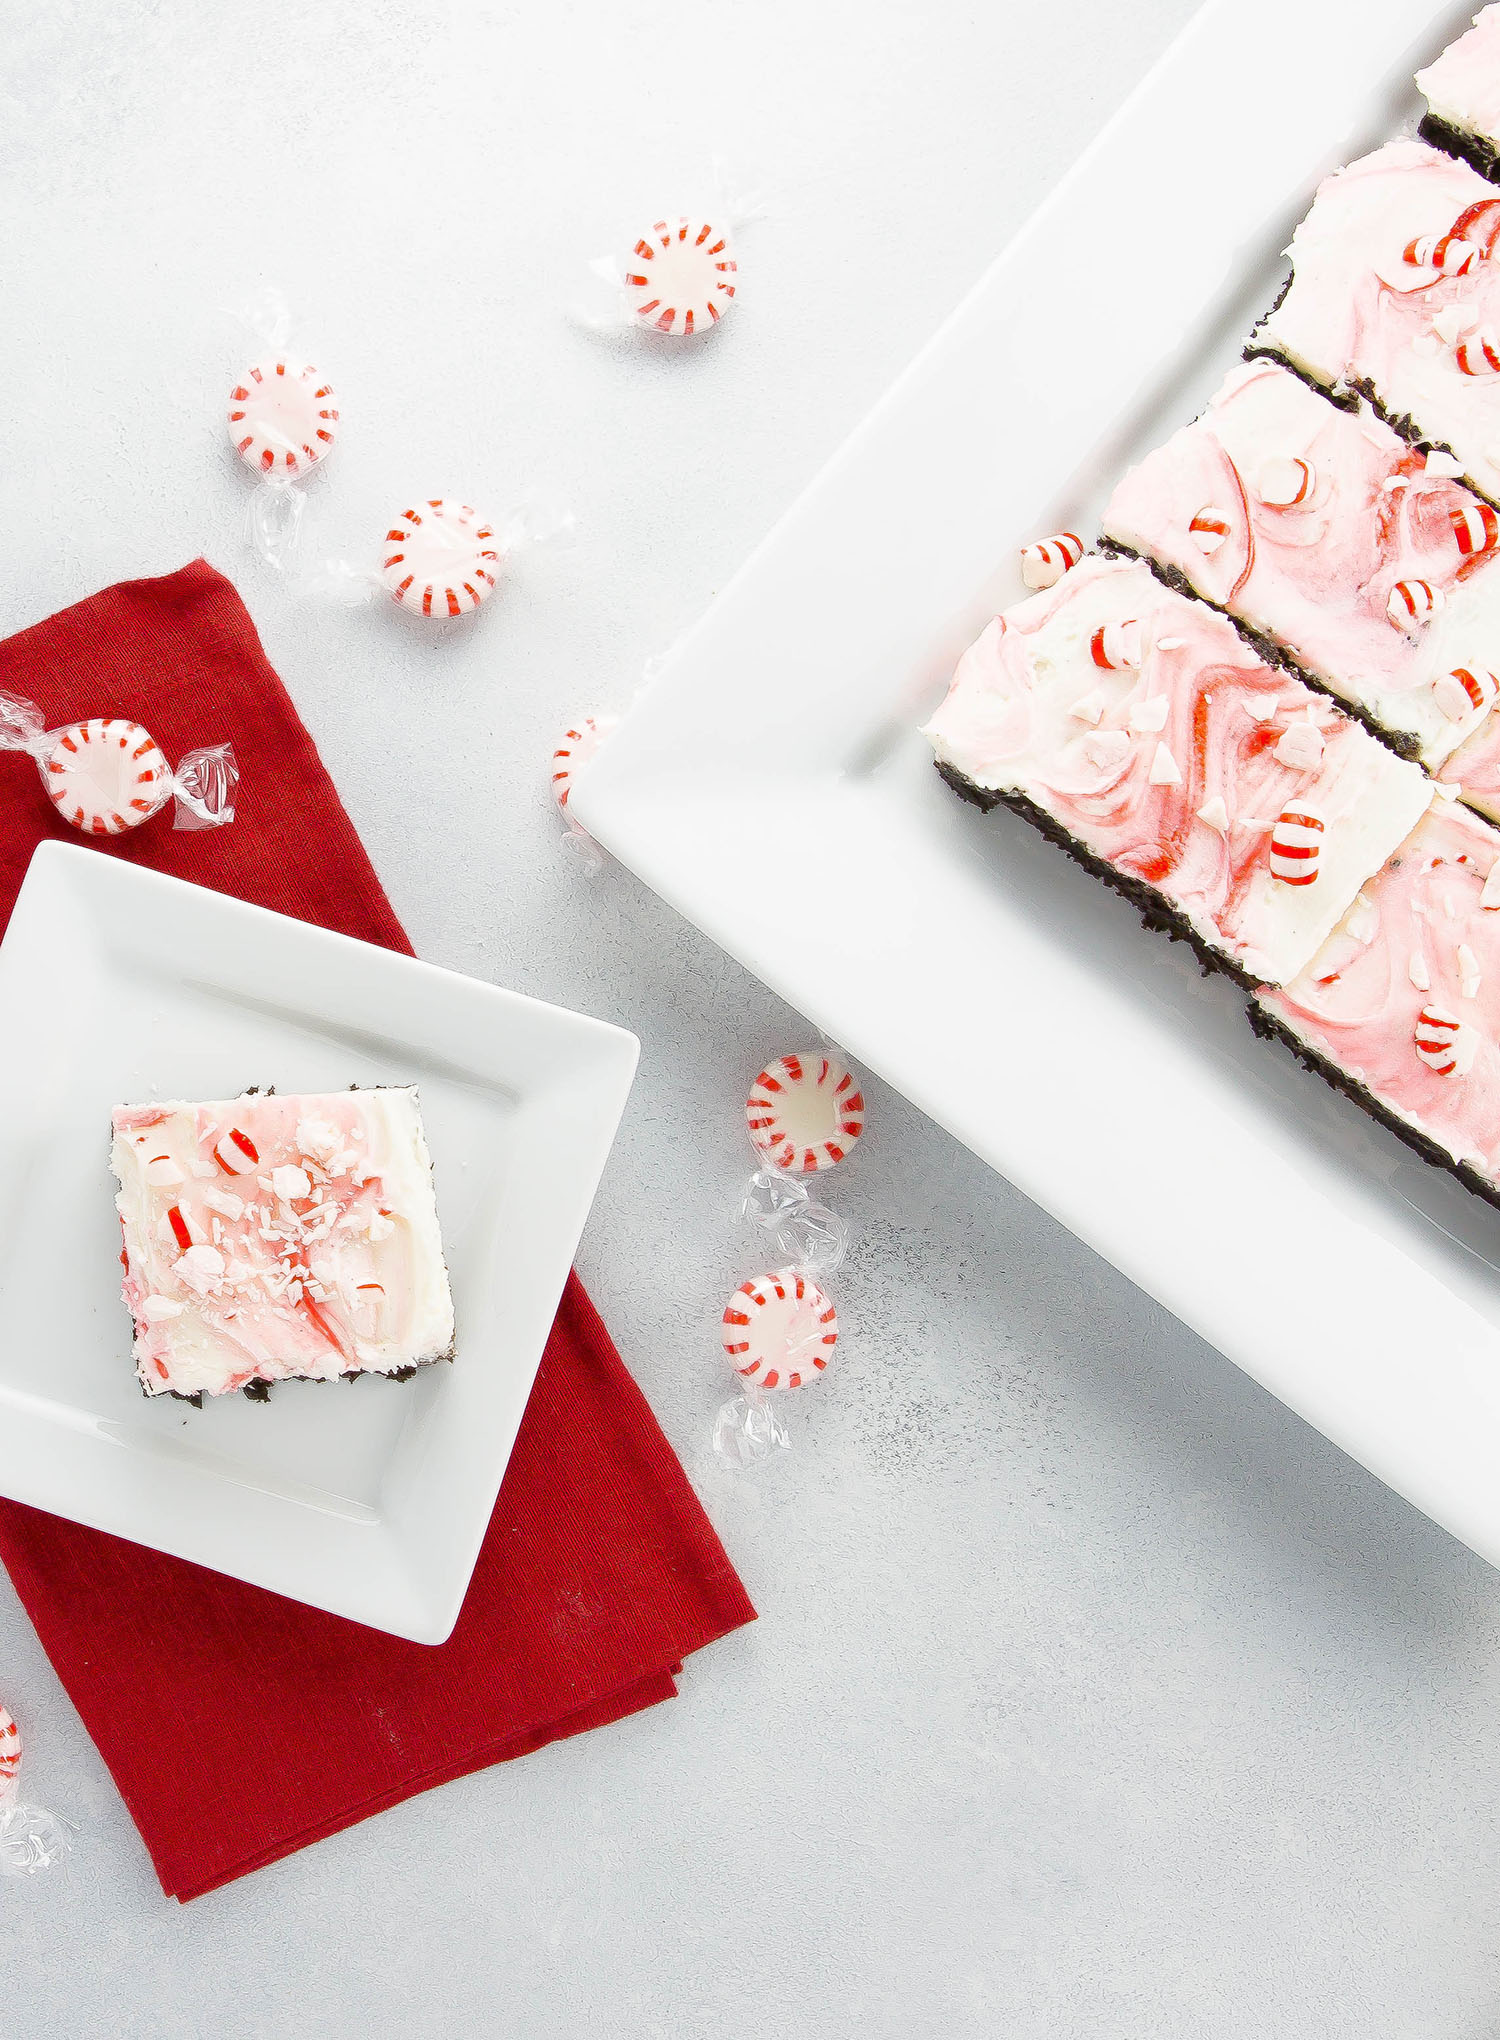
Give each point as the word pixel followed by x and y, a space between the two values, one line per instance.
pixel 1271 650
pixel 1270 1027
pixel 1472 149
pixel 1354 387
pixel 1155 909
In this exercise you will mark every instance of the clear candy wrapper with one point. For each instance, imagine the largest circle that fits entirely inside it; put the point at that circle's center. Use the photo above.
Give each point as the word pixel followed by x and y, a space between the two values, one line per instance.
pixel 779 1329
pixel 106 775
pixel 31 1839
pixel 442 559
pixel 576 750
pixel 283 420
pixel 675 273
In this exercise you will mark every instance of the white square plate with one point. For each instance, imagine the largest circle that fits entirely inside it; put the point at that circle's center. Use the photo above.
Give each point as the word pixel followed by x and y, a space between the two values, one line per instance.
pixel 367 1498
pixel 773 786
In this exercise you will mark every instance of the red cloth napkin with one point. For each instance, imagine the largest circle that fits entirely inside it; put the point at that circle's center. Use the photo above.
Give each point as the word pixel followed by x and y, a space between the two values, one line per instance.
pixel 240 1726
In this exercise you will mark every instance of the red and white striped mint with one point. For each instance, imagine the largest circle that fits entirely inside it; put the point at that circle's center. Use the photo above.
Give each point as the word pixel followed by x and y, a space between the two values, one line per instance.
pixel 1443 1042
pixel 579 746
pixel 1476 528
pixel 106 776
pixel 1116 646
pixel 1285 480
pixel 235 1152
pixel 805 1112
pixel 680 276
pixel 1296 844
pixel 1479 353
pixel 1465 690
pixel 441 558
pixel 1448 254
pixel 1411 605
pixel 282 417
pixel 1044 563
pixel 1209 528
pixel 10 1750
pixel 780 1330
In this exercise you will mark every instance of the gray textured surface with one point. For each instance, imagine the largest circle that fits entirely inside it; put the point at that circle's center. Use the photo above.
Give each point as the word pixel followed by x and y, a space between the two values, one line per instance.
pixel 1093 1694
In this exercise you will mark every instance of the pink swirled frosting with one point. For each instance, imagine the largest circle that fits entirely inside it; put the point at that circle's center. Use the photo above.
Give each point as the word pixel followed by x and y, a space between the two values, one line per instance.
pixel 1422 938
pixel 1463 86
pixel 1358 310
pixel 1318 572
pixel 267 1237
pixel 1176 768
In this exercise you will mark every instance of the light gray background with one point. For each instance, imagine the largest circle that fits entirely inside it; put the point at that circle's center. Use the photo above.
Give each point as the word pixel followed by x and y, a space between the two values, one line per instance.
pixel 1092 1693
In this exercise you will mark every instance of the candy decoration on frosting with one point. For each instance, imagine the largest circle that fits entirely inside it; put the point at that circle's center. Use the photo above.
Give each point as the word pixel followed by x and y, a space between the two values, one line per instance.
pixel 282 417
pixel 106 776
pixel 1464 691
pixel 805 1112
pixel 1413 604
pixel 441 559
pixel 236 1154
pixel 1296 844
pixel 1448 254
pixel 1209 529
pixel 1479 354
pixel 1476 528
pixel 680 276
pixel 10 1751
pixel 780 1330
pixel 1044 564
pixel 1285 481
pixel 1115 646
pixel 1442 1041
pixel 579 745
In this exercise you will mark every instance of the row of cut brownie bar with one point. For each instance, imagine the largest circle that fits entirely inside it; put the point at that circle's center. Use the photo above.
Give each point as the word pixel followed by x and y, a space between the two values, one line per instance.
pixel 1288 778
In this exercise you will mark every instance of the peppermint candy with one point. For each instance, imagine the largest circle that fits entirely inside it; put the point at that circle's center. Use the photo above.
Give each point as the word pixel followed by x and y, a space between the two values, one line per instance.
pixel 1208 530
pixel 1284 481
pixel 1296 845
pixel 10 1751
pixel 1479 353
pixel 1465 691
pixel 1476 528
pixel 1443 1042
pixel 441 558
pixel 1448 254
pixel 106 775
pixel 1044 563
pixel 579 745
pixel 1411 605
pixel 680 277
pixel 282 418
pixel 805 1112
pixel 780 1330
pixel 235 1153
pixel 1116 646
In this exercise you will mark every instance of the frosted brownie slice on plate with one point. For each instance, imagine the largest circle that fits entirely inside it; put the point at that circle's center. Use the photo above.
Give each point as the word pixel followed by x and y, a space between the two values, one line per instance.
pixel 1462 90
pixel 1321 530
pixel 1395 293
pixel 1238 808
pixel 1401 1007
pixel 269 1238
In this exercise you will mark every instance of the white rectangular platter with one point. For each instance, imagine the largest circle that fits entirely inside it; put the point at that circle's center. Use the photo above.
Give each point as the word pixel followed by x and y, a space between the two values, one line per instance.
pixel 369 1498
pixel 959 955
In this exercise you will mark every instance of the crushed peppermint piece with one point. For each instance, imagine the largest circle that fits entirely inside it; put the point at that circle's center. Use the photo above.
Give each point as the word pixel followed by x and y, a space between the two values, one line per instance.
pixel 158 1310
pixel 1149 716
pixel 290 1183
pixel 1215 813
pixel 1165 770
pixel 1469 974
pixel 1439 462
pixel 1301 746
pixel 1363 921
pixel 1089 708
pixel 1418 972
pixel 1104 748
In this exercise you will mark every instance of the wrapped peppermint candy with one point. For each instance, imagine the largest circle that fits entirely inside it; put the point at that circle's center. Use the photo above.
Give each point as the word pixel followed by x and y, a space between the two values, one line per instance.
pixel 283 419
pixel 442 559
pixel 674 273
pixel 107 775
pixel 576 750
pixel 31 1839
pixel 779 1329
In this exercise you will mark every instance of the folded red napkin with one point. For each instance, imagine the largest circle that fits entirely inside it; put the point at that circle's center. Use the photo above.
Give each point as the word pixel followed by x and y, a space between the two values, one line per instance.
pixel 599 1571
